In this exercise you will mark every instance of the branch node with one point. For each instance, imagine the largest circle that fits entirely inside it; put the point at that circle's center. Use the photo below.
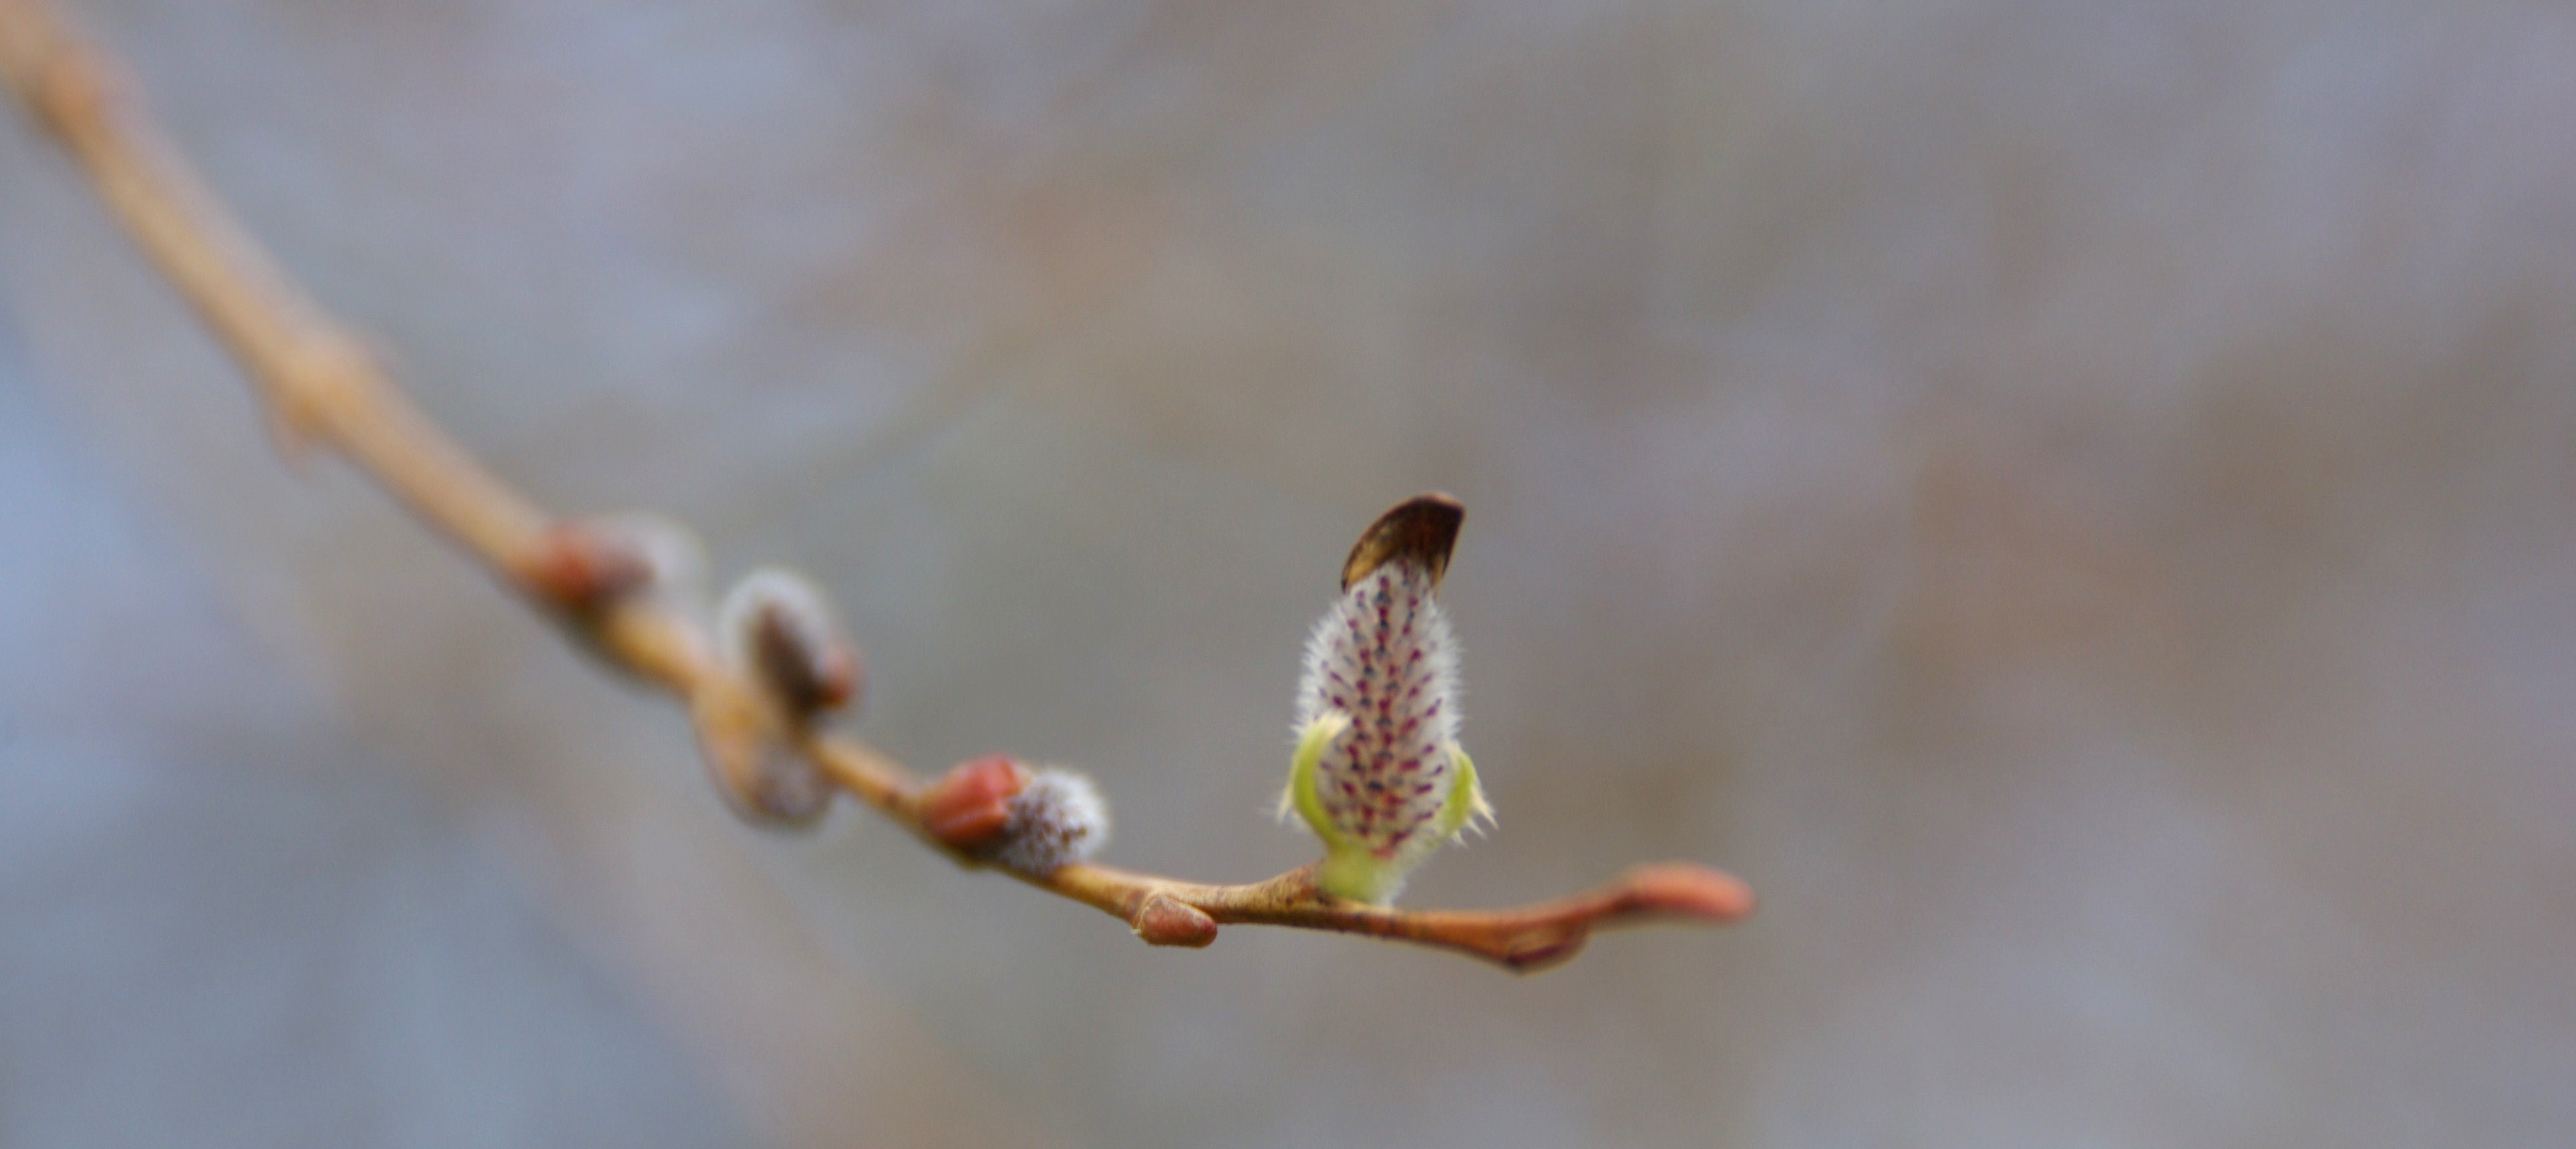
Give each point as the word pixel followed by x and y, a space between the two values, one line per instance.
pixel 314 373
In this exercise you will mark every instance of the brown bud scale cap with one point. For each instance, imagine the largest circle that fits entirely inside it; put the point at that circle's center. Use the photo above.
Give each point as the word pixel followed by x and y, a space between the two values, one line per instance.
pixel 1423 529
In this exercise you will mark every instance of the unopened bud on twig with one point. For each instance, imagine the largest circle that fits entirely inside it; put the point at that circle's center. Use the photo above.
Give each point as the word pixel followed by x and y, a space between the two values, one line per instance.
pixel 1167 921
pixel 1031 821
pixel 587 564
pixel 777 629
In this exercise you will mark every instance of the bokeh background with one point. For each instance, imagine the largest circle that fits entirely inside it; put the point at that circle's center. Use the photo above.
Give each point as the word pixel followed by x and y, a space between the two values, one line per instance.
pixel 2075 501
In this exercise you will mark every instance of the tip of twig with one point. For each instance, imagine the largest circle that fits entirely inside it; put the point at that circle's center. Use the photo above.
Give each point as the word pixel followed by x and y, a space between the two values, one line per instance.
pixel 1686 890
pixel 1664 891
pixel 1422 529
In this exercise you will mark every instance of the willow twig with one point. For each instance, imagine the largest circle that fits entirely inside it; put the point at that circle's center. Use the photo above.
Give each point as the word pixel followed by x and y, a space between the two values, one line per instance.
pixel 323 388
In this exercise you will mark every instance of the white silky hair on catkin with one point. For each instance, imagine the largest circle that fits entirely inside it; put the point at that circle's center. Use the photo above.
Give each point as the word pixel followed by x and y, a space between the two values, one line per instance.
pixel 1326 654
pixel 1385 656
pixel 1057 819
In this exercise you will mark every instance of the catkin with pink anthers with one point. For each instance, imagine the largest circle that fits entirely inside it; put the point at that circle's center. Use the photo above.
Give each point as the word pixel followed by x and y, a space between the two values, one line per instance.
pixel 1378 772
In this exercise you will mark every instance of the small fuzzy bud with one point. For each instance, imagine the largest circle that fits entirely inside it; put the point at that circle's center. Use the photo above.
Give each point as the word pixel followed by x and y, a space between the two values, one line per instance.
pixel 1378 772
pixel 999 811
pixel 587 564
pixel 1057 819
pixel 777 629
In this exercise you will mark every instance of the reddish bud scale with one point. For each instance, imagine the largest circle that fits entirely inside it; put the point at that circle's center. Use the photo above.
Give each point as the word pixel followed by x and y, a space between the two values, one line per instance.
pixel 970 805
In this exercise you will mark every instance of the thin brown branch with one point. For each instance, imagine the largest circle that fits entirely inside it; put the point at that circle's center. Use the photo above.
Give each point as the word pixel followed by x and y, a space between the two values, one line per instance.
pixel 322 387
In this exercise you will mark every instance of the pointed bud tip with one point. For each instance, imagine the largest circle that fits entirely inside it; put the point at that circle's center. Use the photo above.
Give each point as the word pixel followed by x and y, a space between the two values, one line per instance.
pixel 1422 530
pixel 1684 889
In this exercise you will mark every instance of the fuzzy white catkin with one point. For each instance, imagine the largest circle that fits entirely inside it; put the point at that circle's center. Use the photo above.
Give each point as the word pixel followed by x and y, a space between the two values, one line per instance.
pixel 1058 818
pixel 1384 656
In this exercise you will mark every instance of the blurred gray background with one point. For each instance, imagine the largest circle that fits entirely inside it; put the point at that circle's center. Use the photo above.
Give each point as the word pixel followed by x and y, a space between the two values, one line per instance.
pixel 2075 501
